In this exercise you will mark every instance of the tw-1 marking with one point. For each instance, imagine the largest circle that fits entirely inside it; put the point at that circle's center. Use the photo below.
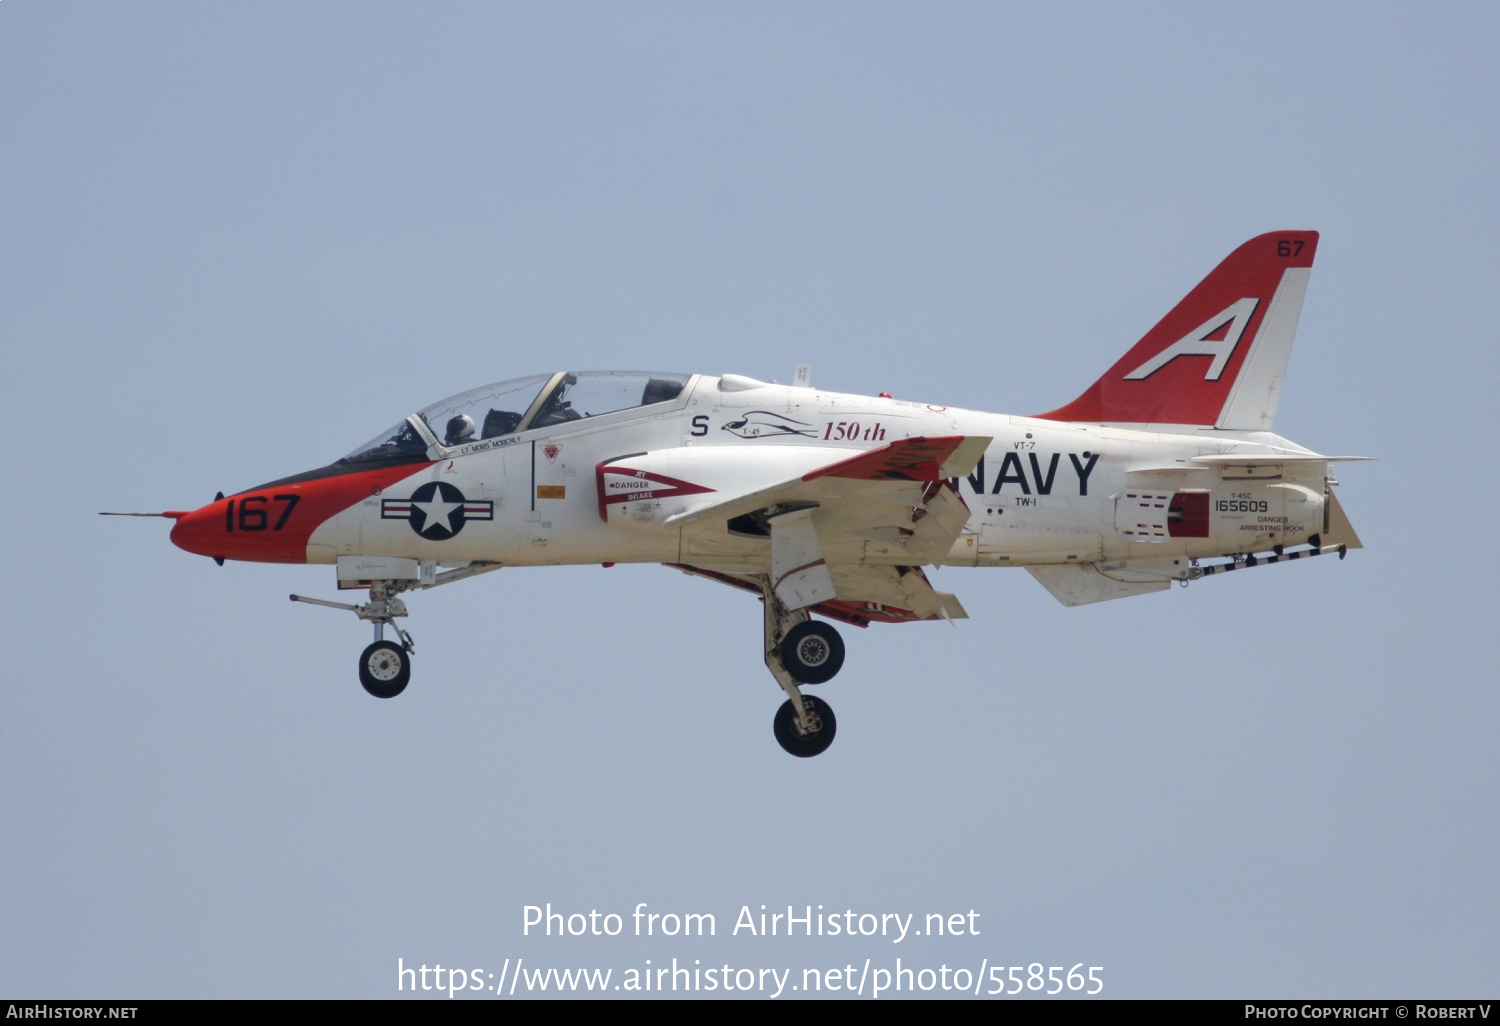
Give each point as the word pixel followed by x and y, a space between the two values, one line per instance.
pixel 826 504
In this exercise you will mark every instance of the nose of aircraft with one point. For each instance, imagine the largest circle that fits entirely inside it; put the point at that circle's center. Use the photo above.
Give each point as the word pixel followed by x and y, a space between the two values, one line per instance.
pixel 195 531
pixel 258 526
pixel 274 523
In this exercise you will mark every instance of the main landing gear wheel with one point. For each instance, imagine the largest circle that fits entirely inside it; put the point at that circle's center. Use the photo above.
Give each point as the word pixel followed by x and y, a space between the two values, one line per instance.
pixel 805 744
pixel 384 669
pixel 812 652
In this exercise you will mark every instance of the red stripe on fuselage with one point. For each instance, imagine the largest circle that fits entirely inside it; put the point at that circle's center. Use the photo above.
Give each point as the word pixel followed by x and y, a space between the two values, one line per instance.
pixel 249 525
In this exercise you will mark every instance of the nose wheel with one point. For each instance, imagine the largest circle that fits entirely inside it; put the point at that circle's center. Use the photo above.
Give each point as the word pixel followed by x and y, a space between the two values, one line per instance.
pixel 385 669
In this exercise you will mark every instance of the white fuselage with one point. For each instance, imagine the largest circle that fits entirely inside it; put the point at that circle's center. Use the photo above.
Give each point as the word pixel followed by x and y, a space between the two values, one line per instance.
pixel 1045 492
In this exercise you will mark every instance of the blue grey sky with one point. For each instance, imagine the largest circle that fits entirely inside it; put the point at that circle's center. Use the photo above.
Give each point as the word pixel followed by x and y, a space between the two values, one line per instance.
pixel 239 239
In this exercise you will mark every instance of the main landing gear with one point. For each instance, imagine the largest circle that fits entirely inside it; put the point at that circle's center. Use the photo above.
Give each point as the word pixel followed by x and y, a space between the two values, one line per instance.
pixel 800 650
pixel 810 740
pixel 385 666
pixel 812 652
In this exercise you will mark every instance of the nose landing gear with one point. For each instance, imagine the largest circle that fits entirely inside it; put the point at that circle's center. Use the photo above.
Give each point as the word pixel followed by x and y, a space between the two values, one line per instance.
pixel 385 666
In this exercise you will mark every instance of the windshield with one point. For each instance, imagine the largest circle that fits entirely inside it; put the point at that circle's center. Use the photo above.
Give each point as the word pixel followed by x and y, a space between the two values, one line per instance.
pixel 399 444
pixel 487 412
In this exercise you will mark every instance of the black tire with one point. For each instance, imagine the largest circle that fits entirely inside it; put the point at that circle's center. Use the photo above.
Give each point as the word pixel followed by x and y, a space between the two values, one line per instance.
pixel 384 669
pixel 812 652
pixel 791 738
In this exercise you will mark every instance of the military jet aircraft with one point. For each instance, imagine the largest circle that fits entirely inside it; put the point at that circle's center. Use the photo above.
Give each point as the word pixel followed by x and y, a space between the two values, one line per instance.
pixel 1165 469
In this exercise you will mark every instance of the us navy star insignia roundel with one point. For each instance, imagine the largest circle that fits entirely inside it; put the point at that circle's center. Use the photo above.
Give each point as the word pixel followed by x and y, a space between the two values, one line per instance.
pixel 437 511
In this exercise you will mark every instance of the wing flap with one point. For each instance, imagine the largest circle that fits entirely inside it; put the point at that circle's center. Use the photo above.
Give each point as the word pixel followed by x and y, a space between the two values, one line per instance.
pixel 942 519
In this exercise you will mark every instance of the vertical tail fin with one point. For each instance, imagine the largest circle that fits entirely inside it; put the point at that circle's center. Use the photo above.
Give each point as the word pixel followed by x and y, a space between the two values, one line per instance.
pixel 1220 356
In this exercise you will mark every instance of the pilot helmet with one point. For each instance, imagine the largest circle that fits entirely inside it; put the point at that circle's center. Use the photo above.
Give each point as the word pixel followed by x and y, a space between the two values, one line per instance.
pixel 460 429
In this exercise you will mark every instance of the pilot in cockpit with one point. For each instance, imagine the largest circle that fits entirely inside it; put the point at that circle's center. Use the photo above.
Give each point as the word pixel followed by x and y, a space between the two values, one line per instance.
pixel 460 430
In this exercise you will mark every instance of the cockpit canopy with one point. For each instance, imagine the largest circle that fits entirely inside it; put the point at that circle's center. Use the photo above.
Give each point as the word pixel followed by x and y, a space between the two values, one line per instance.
pixel 487 412
pixel 520 404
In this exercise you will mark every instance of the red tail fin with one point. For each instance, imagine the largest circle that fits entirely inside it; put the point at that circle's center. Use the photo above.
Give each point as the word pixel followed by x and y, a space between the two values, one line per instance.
pixel 1219 357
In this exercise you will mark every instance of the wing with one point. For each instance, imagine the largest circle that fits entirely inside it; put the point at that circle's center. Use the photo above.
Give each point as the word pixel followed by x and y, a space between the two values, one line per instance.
pixel 846 538
pixel 893 505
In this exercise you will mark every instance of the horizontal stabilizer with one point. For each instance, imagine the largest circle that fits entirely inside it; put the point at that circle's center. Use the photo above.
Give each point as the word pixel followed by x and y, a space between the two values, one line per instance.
pixel 1271 459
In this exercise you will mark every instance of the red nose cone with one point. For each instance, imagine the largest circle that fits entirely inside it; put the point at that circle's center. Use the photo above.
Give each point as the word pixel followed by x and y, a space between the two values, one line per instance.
pixel 205 532
pixel 261 526
pixel 241 527
pixel 273 523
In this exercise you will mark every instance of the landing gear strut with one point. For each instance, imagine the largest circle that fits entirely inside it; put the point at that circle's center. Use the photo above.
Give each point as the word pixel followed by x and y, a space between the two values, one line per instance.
pixel 799 649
